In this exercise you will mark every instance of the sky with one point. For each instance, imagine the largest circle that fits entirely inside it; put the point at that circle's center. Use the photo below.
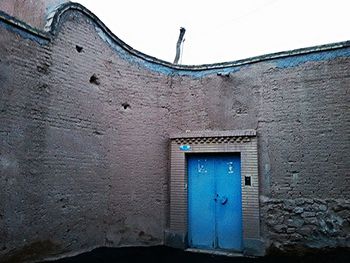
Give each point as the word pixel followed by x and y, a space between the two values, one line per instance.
pixel 223 30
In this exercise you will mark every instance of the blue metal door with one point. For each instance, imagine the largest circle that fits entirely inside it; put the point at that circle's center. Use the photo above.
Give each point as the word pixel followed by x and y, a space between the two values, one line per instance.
pixel 214 202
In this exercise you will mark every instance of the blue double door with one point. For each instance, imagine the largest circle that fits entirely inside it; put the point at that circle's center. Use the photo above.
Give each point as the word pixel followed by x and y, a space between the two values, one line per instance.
pixel 214 202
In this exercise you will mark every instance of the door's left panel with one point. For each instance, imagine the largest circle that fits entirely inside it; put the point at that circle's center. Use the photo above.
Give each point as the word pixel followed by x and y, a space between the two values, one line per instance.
pixel 201 207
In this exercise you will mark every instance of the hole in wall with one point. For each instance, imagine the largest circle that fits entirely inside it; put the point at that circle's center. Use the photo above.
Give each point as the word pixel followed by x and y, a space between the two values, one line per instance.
pixel 223 74
pixel 97 133
pixel 126 105
pixel 94 80
pixel 79 48
pixel 43 68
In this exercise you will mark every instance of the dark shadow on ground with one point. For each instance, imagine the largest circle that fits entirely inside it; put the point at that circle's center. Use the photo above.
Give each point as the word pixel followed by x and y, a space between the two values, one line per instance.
pixel 161 254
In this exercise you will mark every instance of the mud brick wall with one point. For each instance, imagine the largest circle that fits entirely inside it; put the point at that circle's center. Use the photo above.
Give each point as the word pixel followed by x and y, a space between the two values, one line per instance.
pixel 33 12
pixel 300 109
pixel 84 138
pixel 83 146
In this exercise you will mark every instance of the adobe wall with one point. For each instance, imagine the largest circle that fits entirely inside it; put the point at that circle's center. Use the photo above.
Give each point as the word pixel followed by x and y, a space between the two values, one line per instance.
pixel 32 12
pixel 77 169
pixel 84 140
pixel 300 114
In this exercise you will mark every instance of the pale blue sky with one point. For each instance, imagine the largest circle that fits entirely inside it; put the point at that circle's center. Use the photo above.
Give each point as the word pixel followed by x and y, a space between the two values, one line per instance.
pixel 223 30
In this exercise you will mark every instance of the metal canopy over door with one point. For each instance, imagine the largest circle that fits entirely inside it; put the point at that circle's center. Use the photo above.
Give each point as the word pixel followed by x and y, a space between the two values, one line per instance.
pixel 214 202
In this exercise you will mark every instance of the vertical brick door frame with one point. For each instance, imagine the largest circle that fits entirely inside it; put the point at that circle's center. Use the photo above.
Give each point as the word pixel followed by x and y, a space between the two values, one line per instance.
pixel 243 142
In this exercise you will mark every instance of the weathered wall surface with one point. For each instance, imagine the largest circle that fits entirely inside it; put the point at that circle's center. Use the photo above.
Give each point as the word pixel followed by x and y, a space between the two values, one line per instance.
pixel 32 12
pixel 79 168
pixel 85 140
pixel 301 113
pixel 304 154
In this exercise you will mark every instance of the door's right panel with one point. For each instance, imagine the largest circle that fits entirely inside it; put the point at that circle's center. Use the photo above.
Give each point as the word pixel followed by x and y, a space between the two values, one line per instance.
pixel 229 202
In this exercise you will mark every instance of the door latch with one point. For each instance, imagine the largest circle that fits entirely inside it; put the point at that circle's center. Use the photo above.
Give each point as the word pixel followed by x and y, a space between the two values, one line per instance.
pixel 223 200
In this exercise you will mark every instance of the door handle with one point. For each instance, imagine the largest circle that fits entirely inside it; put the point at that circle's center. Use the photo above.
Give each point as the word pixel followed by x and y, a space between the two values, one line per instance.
pixel 223 200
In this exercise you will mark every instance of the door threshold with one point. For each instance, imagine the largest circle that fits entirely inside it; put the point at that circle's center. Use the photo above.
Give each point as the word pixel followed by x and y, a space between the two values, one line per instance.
pixel 215 252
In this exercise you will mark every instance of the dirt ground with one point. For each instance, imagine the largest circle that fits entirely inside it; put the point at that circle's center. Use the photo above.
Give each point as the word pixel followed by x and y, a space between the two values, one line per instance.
pixel 168 255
